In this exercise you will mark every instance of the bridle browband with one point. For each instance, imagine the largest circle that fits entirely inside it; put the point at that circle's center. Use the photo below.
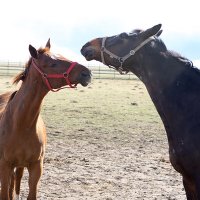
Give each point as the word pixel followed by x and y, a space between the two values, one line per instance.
pixel 64 75
pixel 121 59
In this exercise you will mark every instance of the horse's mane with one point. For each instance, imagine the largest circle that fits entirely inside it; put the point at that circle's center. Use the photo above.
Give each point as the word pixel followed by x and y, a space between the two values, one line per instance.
pixel 12 95
pixel 159 46
pixel 188 64
pixel 179 57
pixel 5 98
pixel 22 75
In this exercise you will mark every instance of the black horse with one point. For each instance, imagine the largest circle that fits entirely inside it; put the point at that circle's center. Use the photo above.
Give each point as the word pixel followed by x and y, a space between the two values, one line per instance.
pixel 174 86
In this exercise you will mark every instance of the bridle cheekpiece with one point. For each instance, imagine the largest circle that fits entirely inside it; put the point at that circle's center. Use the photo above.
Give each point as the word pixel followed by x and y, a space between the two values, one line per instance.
pixel 121 60
pixel 64 75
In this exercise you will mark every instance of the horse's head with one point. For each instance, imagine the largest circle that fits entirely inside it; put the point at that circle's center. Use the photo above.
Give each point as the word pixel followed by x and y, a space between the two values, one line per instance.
pixel 120 51
pixel 55 70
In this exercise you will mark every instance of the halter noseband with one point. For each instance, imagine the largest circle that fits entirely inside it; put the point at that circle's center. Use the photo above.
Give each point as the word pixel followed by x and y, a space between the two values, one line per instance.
pixel 64 75
pixel 120 59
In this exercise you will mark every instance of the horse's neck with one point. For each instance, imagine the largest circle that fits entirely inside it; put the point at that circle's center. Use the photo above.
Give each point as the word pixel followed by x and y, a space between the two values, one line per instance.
pixel 23 110
pixel 159 72
pixel 167 81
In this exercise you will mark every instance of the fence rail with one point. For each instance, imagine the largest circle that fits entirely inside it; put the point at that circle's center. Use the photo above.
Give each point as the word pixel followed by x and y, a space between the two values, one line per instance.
pixel 99 72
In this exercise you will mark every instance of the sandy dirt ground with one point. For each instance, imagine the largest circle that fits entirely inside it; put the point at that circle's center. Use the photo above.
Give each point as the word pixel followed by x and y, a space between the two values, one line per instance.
pixel 117 163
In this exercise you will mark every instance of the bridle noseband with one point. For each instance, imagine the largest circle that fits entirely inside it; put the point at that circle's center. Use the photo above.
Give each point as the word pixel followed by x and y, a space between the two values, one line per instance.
pixel 121 59
pixel 64 75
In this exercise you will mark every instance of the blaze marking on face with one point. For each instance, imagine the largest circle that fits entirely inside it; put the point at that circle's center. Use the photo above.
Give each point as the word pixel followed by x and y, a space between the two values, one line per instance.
pixel 95 43
pixel 59 57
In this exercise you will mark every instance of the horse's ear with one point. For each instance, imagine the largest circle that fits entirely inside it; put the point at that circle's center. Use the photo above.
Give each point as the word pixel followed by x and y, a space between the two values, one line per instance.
pixel 159 33
pixel 48 45
pixel 151 31
pixel 33 52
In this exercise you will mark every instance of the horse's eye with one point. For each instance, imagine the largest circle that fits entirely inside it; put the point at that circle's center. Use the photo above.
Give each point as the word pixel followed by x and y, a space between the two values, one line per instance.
pixel 133 34
pixel 53 65
pixel 123 35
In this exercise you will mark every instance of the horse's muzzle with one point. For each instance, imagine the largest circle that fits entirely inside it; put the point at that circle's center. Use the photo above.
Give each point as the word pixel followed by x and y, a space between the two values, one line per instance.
pixel 88 53
pixel 85 78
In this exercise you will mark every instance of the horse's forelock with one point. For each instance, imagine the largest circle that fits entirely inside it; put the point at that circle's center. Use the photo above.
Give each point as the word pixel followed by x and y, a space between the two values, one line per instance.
pixel 136 31
pixel 43 50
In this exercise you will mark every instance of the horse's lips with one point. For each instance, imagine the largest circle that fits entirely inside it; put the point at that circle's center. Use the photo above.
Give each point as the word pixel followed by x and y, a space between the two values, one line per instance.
pixel 88 58
pixel 86 83
pixel 87 54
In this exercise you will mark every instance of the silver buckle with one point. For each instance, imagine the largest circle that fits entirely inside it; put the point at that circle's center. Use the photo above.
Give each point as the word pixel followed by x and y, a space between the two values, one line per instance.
pixel 132 52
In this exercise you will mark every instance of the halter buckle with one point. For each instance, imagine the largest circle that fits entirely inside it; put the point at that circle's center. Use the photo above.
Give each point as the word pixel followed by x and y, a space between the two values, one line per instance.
pixel 121 60
pixel 132 52
pixel 45 75
pixel 65 75
pixel 102 48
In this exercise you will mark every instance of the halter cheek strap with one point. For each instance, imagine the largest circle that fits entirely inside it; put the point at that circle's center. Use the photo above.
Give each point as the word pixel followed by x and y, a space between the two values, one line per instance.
pixel 121 59
pixel 64 75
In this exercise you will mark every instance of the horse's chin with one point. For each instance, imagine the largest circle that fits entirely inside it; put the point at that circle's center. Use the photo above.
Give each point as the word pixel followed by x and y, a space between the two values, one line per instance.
pixel 84 84
pixel 89 58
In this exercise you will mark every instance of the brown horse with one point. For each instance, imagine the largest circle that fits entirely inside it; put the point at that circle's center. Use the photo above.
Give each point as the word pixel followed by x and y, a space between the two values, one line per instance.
pixel 22 130
pixel 173 84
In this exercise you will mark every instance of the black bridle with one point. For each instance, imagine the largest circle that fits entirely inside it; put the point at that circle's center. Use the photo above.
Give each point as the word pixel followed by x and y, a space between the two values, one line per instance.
pixel 121 60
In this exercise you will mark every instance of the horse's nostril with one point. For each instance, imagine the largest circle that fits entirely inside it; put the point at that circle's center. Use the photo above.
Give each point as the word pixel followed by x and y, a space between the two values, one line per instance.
pixel 87 53
pixel 85 74
pixel 82 50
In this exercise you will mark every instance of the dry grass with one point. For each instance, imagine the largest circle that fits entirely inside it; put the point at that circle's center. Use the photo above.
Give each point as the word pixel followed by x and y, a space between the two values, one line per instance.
pixel 104 104
pixel 105 142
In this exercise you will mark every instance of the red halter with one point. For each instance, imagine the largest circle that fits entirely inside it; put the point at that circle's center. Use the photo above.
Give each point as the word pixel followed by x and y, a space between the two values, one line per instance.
pixel 65 75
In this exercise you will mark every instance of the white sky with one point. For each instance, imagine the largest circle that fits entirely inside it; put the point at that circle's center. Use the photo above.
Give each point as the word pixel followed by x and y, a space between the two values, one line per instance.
pixel 70 24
